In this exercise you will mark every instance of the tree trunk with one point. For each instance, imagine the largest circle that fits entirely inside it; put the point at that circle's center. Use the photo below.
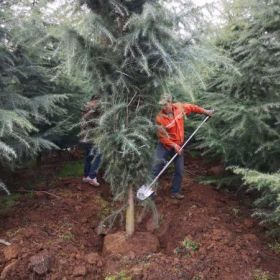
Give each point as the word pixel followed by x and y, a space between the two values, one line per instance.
pixel 130 223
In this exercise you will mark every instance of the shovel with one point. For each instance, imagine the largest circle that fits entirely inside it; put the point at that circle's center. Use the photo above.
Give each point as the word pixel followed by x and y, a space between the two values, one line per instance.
pixel 146 190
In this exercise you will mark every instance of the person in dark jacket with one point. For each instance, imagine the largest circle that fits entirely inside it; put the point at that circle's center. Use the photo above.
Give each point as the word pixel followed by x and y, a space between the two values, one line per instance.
pixel 92 156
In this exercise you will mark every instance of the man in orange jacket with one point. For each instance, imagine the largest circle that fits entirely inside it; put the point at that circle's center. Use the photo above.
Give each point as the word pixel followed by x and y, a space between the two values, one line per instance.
pixel 171 137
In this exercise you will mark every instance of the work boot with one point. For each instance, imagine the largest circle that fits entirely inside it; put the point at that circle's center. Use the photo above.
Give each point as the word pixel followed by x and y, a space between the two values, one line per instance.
pixel 94 182
pixel 178 196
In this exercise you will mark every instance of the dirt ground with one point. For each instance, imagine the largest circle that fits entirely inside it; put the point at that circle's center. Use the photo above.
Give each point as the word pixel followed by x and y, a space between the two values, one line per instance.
pixel 207 235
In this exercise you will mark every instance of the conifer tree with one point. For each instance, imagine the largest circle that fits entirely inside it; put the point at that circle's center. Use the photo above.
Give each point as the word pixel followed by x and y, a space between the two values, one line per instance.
pixel 248 102
pixel 28 97
pixel 128 53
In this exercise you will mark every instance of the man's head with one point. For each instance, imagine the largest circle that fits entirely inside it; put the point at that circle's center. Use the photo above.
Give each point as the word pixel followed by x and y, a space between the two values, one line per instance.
pixel 166 102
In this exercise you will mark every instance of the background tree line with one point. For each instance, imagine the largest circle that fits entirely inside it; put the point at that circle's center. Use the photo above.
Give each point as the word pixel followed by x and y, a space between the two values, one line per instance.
pixel 246 128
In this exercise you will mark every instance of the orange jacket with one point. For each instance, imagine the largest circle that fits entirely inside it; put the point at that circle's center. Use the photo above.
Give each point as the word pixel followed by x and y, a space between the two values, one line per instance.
pixel 171 129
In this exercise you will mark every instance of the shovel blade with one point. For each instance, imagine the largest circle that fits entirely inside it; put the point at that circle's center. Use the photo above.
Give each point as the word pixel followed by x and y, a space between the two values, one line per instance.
pixel 144 192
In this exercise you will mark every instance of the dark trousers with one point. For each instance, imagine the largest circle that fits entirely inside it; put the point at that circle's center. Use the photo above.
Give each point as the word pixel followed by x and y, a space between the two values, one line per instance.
pixel 92 160
pixel 162 155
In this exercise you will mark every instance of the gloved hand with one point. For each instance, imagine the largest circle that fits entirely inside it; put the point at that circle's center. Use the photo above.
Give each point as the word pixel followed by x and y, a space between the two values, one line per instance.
pixel 209 113
pixel 177 149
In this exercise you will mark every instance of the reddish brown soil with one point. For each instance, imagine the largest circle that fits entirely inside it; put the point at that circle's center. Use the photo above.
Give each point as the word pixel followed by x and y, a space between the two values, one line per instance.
pixel 64 228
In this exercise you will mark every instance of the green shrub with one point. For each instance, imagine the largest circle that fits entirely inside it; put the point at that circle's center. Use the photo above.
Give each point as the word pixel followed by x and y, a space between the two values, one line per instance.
pixel 267 205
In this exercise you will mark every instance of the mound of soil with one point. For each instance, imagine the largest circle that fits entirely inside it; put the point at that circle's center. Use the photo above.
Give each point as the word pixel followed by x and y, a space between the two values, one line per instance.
pixel 140 243
pixel 207 235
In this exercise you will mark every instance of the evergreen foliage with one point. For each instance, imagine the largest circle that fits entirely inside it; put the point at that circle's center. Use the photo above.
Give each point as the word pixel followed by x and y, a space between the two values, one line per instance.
pixel 268 203
pixel 29 99
pixel 245 131
pixel 248 103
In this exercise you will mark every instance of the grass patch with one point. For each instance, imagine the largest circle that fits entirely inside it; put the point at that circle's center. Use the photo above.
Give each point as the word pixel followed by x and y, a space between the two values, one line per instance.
pixel 190 245
pixel 186 247
pixel 236 211
pixel 105 207
pixel 7 202
pixel 261 275
pixel 72 169
pixel 275 247
pixel 67 236
pixel 196 278
pixel 30 195
pixel 120 276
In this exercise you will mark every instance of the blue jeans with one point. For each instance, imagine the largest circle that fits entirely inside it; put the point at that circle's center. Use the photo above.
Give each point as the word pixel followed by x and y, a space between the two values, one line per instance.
pixel 162 155
pixel 92 161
